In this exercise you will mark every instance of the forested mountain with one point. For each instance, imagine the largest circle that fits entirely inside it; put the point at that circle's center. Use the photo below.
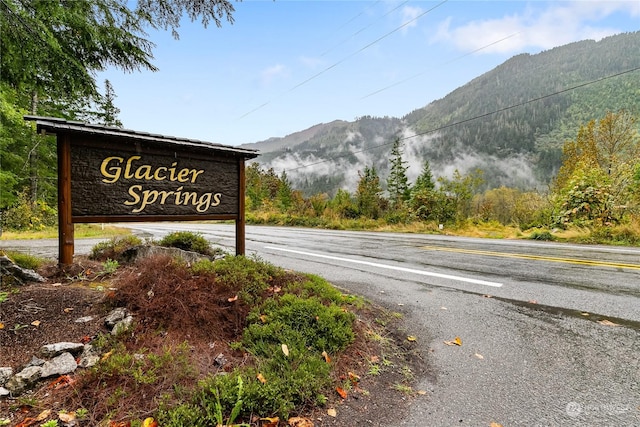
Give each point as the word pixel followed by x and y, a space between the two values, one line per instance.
pixel 511 122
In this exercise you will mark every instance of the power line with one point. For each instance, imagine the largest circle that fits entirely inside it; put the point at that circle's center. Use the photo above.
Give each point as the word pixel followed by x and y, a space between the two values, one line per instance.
pixel 347 57
pixel 520 104
pixel 444 63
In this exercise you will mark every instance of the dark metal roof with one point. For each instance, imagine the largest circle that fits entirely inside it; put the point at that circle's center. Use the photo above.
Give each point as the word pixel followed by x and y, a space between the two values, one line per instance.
pixel 54 125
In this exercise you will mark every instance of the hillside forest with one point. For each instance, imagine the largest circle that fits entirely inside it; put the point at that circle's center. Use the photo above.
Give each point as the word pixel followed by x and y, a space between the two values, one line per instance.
pixel 589 149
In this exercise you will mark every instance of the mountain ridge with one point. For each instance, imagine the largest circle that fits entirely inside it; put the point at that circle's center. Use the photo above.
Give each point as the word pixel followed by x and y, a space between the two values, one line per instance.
pixel 511 122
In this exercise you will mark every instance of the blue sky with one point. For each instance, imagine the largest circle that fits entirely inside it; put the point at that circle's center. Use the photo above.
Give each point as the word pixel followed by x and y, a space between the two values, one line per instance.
pixel 285 66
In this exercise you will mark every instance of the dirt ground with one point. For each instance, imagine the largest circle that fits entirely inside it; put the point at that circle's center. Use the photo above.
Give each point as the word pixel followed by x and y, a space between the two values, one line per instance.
pixel 37 314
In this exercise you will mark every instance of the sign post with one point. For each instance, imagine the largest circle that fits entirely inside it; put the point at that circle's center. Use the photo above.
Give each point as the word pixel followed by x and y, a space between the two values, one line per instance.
pixel 108 174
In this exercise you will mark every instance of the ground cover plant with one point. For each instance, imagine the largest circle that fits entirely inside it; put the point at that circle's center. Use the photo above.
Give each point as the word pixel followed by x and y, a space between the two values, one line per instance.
pixel 230 341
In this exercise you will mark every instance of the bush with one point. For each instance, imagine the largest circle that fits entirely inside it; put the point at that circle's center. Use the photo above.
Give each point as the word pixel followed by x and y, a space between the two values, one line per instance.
pixel 187 241
pixel 114 248
pixel 25 215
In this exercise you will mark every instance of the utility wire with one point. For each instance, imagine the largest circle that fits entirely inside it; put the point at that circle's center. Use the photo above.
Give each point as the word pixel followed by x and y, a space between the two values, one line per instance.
pixel 346 58
pixel 520 104
pixel 444 63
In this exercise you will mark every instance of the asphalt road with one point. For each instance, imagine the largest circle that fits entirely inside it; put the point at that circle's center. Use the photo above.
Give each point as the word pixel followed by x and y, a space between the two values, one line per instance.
pixel 537 346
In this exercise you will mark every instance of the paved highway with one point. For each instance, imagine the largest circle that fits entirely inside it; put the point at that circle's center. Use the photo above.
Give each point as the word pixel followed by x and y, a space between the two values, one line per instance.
pixel 550 332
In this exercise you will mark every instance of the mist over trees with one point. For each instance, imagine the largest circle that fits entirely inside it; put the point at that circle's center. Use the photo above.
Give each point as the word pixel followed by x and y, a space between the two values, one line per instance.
pixel 510 122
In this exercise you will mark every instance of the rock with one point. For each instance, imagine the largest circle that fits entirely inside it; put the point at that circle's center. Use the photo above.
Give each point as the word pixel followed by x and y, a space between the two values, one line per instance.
pixel 143 251
pixel 89 357
pixel 84 319
pixel 122 325
pixel 5 374
pixel 220 360
pixel 59 365
pixel 52 350
pixel 21 275
pixel 4 392
pixel 35 361
pixel 24 379
pixel 116 316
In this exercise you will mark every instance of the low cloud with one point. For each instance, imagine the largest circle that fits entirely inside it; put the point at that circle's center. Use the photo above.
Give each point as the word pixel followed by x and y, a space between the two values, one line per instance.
pixel 268 75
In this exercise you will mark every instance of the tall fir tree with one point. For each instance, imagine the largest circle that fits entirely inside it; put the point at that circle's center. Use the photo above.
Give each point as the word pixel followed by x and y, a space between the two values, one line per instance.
pixel 397 182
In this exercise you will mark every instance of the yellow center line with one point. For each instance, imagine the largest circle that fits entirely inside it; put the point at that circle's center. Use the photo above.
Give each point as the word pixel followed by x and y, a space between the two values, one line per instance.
pixel 536 257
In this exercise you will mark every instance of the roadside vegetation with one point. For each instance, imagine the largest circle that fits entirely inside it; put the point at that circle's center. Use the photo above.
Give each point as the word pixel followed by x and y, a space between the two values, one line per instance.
pixel 222 341
pixel 595 197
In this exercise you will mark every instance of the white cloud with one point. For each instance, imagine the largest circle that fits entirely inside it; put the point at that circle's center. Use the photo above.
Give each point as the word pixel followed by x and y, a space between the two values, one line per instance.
pixel 409 15
pixel 560 23
pixel 268 75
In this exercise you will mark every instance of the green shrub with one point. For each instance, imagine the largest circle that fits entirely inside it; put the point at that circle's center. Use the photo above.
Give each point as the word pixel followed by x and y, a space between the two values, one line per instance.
pixel 23 260
pixel 114 248
pixel 542 235
pixel 26 215
pixel 187 241
pixel 251 276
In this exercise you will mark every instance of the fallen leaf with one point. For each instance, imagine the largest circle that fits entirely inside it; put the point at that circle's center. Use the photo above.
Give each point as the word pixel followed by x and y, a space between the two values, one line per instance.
pixel 412 338
pixel 57 284
pixel 43 415
pixel 261 378
pixel 444 308
pixel 355 379
pixel 532 301
pixel 422 392
pixel 374 359
pixel 1 325
pixel 285 350
pixel 36 323
pixel 263 318
pixel 149 422
pixel 299 422
pixel 585 314
pixel 27 422
pixel 342 392
pixel 106 355
pixel 606 322
pixel 85 339
pixel 68 310
pixel 270 422
pixel 326 357
pixel 232 299
pixel 68 417
pixel 332 412
pixel 455 341
pixel 479 356
pixel 495 425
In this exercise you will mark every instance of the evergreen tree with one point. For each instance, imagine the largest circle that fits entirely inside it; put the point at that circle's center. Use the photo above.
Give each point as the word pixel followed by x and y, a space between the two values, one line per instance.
pixel 368 194
pixel 108 112
pixel 397 182
pixel 424 182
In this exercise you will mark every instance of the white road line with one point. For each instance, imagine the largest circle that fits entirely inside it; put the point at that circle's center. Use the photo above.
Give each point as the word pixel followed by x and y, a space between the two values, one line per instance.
pixel 391 267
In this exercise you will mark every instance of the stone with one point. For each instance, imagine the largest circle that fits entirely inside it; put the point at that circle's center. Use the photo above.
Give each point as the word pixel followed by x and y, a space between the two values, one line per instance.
pixel 116 316
pixel 4 392
pixel 220 360
pixel 60 365
pixel 89 357
pixel 22 275
pixel 53 350
pixel 35 361
pixel 24 379
pixel 84 319
pixel 5 373
pixel 122 325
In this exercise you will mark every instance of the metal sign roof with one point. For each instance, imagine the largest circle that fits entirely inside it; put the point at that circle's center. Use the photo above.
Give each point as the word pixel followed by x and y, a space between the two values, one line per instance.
pixel 54 125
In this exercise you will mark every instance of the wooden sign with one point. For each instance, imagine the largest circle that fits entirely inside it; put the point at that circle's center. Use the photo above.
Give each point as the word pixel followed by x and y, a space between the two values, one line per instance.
pixel 108 174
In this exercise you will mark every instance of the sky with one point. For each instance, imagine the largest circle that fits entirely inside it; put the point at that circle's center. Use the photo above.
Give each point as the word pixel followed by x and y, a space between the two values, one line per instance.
pixel 284 66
